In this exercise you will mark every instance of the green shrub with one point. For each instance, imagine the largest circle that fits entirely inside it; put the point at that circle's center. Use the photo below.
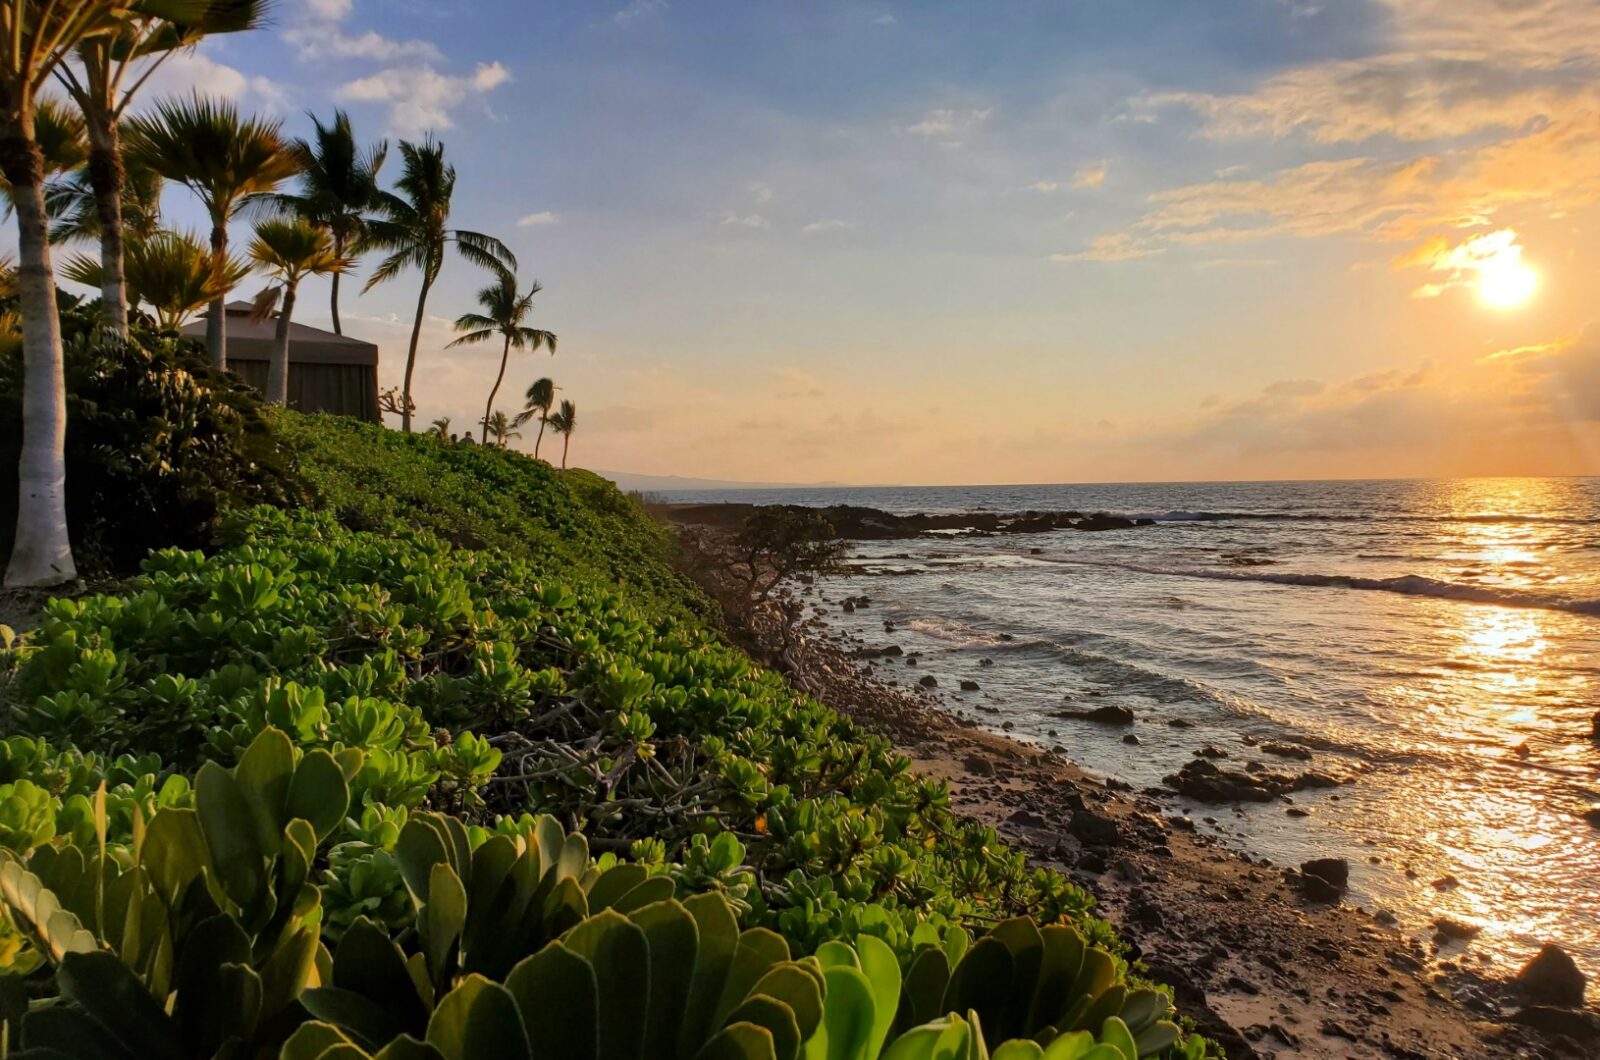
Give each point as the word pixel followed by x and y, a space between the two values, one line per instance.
pixel 158 445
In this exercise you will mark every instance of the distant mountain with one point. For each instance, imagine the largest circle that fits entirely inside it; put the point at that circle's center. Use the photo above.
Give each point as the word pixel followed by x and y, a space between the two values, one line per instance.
pixel 627 481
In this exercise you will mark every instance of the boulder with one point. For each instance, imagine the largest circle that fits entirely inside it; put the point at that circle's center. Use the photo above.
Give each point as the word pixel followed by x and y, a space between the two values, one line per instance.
pixel 929 681
pixel 1581 1027
pixel 1100 715
pixel 1102 521
pixel 1094 830
pixel 1594 727
pixel 1593 816
pixel 1552 978
pixel 1334 870
pixel 1286 750
pixel 969 686
pixel 978 766
pixel 1448 928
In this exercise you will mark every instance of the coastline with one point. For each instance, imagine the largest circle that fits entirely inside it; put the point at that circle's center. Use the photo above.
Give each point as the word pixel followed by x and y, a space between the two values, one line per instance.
pixel 1258 964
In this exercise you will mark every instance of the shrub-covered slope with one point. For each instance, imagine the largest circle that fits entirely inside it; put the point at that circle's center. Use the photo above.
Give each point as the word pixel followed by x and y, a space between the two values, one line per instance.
pixel 465 638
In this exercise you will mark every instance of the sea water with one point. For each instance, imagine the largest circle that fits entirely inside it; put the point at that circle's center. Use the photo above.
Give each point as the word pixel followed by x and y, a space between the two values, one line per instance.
pixel 1436 641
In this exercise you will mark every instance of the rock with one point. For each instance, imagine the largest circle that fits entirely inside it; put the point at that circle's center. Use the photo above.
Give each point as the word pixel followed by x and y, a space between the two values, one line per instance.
pixel 1202 781
pixel 1027 819
pixel 1447 928
pixel 1209 751
pixel 985 662
pixel 1179 723
pixel 929 681
pixel 1334 870
pixel 1100 715
pixel 1095 830
pixel 1581 1027
pixel 969 686
pixel 978 766
pixel 1286 750
pixel 849 607
pixel 1446 883
pixel 1594 727
pixel 1552 978
pixel 1102 521
pixel 1130 738
pixel 1593 816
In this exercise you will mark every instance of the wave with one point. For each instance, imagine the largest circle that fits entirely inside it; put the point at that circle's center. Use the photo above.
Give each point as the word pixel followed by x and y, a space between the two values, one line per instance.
pixel 1408 585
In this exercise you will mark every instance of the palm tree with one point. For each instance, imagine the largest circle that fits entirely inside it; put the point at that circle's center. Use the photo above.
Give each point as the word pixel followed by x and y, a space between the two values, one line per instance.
pixel 504 312
pixel 541 395
pixel 500 428
pixel 38 38
pixel 75 209
pixel 415 227
pixel 103 84
pixel 441 428
pixel 338 188
pixel 58 130
pixel 290 251
pixel 564 423
pixel 224 159
pixel 174 273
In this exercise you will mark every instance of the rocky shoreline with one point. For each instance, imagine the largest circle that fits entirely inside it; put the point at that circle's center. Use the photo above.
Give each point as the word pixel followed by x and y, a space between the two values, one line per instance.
pixel 1269 960
pixel 874 524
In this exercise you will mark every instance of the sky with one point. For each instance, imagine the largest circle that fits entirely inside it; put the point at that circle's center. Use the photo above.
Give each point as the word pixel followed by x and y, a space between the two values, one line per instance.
pixel 1027 241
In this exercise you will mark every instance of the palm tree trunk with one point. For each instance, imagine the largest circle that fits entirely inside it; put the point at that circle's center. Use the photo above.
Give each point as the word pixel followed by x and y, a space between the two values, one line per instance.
pixel 566 443
pixel 278 370
pixel 106 178
pixel 217 315
pixel 488 410
pixel 539 440
pixel 42 551
pixel 338 252
pixel 411 356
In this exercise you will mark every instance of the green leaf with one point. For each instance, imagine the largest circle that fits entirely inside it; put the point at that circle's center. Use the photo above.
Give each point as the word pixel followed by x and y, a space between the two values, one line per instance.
pixel 925 984
pixel 218 997
pixel 1019 1049
pixel 441 919
pixel 1058 975
pixel 310 1040
pixel 777 1018
pixel 36 907
pixel 318 793
pixel 368 963
pixel 719 939
pixel 230 824
pixel 1157 1038
pixel 882 969
pixel 741 1041
pixel 620 956
pixel 263 776
pixel 1069 1046
pixel 556 991
pixel 1115 1033
pixel 674 943
pixel 798 989
pixel 757 952
pixel 849 1015
pixel 614 883
pixel 65 1032
pixel 982 982
pixel 174 852
pixel 101 985
pixel 478 1020
pixel 421 846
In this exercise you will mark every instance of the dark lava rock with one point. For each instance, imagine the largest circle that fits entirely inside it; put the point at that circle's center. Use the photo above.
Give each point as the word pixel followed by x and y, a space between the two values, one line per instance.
pixel 1552 978
pixel 978 766
pixel 929 681
pixel 1446 883
pixel 1095 830
pixel 1594 727
pixel 849 607
pixel 1179 723
pixel 1286 750
pixel 1448 928
pixel 1101 715
pixel 1209 751
pixel 1581 1027
pixel 1102 521
pixel 1130 738
pixel 1334 870
pixel 1593 816
pixel 1027 819
pixel 985 662
pixel 969 686
pixel 1203 781
pixel 893 651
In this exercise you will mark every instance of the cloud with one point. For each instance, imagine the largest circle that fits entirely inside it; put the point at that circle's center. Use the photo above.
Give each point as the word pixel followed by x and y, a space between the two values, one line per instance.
pixel 1045 187
pixel 794 384
pixel 1118 246
pixel 1091 175
pixel 949 124
pixel 753 220
pixel 639 9
pixel 329 10
pixel 184 72
pixel 534 220
pixel 327 42
pixel 761 192
pixel 420 99
pixel 885 20
pixel 1493 256
pixel 816 227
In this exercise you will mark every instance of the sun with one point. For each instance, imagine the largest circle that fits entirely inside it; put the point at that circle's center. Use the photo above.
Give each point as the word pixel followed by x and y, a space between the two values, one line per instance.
pixel 1505 282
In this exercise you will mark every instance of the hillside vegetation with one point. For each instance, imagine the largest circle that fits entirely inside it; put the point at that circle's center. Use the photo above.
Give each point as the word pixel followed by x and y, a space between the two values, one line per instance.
pixel 450 762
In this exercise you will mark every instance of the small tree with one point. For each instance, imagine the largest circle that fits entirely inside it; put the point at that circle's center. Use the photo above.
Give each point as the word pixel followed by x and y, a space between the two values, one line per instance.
pixel 541 395
pixel 501 429
pixel 504 311
pixel 173 273
pixel 291 251
pixel 564 423
pixel 777 543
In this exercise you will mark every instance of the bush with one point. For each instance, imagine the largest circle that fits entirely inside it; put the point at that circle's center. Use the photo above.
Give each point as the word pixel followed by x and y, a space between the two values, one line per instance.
pixel 158 446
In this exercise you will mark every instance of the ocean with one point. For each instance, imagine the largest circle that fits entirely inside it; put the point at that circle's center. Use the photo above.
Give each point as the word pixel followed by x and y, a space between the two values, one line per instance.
pixel 1436 641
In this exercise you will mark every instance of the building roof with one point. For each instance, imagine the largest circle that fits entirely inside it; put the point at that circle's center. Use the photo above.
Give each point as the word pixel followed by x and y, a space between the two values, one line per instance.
pixel 253 340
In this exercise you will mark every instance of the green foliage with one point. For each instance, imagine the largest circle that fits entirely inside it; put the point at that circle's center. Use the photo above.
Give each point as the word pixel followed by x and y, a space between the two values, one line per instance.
pixel 158 445
pixel 578 527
